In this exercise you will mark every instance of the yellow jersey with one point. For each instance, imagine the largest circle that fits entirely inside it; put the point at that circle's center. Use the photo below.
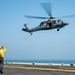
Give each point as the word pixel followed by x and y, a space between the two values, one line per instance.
pixel 2 51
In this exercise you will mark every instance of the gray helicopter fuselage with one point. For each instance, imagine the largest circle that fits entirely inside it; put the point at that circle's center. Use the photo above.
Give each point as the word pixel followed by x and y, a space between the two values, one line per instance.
pixel 47 25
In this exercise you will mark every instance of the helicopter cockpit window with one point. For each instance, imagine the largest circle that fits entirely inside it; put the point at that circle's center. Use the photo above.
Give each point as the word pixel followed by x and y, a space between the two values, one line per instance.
pixel 58 20
pixel 54 22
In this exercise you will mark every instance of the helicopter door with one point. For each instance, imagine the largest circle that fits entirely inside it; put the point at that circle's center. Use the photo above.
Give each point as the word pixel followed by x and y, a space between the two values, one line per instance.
pixel 49 24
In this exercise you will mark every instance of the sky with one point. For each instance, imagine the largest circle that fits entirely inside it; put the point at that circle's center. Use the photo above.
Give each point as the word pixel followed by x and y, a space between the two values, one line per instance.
pixel 48 44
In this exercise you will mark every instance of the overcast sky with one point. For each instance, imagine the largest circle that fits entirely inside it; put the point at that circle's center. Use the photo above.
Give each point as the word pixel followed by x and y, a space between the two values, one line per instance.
pixel 42 44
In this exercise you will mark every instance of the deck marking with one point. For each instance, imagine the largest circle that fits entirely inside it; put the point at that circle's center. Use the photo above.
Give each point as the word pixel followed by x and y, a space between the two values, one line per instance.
pixel 36 68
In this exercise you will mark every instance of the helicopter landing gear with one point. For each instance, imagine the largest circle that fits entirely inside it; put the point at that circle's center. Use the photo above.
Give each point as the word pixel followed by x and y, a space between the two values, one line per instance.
pixel 58 29
pixel 31 33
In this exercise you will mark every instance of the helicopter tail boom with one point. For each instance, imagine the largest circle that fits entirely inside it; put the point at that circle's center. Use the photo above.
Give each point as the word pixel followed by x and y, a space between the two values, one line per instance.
pixel 26 29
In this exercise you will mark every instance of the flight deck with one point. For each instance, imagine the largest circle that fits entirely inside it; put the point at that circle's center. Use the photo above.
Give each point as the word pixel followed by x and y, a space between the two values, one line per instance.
pixel 22 69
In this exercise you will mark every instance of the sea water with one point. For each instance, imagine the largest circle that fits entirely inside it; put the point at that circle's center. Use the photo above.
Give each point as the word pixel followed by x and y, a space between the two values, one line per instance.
pixel 41 61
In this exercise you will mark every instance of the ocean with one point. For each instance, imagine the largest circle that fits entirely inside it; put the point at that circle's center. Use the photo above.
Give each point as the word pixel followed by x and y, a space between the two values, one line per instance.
pixel 42 61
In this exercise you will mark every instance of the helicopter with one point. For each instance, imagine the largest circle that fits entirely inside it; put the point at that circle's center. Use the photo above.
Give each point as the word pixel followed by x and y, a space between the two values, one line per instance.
pixel 50 23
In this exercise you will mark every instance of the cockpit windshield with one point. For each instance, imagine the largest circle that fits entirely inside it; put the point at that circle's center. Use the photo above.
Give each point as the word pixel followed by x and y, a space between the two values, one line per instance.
pixel 59 20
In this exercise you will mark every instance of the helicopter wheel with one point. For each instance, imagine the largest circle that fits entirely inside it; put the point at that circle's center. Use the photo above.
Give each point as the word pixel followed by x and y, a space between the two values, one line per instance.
pixel 31 33
pixel 57 29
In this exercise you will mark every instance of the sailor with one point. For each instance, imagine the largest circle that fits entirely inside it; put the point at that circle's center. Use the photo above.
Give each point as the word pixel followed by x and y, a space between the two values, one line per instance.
pixel 2 51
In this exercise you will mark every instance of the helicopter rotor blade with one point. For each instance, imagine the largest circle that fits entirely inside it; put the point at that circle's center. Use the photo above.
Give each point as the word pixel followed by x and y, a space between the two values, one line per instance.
pixel 36 17
pixel 69 16
pixel 47 8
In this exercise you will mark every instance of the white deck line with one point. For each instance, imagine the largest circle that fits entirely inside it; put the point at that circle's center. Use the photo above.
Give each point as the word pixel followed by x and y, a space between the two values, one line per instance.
pixel 51 64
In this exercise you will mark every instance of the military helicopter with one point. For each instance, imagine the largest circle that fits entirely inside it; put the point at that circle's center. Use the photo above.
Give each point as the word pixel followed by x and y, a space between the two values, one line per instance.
pixel 50 23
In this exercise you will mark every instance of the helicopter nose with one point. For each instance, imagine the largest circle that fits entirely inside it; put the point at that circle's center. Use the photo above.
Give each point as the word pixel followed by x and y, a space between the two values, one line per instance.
pixel 66 23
